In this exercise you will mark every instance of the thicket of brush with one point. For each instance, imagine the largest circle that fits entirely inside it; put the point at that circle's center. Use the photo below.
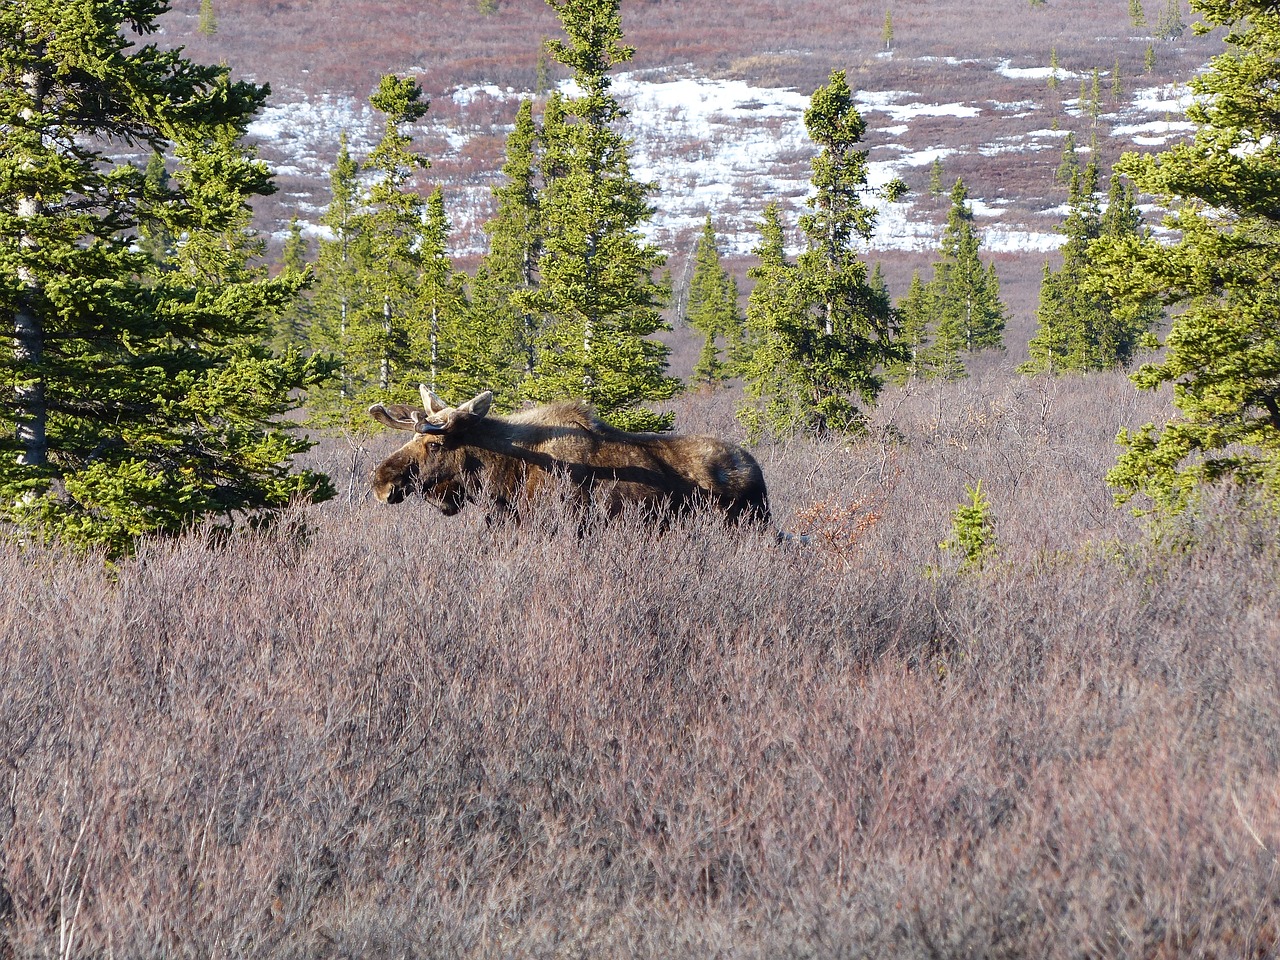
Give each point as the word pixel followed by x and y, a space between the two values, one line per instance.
pixel 378 732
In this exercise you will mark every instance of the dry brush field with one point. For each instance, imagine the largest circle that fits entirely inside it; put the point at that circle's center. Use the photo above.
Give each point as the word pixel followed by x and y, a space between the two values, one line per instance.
pixel 378 732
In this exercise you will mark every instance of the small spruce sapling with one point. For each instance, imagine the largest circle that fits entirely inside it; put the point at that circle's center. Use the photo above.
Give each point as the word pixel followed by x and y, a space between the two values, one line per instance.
pixel 973 535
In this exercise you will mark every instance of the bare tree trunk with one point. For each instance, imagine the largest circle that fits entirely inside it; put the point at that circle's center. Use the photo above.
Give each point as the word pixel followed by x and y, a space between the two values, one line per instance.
pixel 342 346
pixel 28 349
pixel 384 373
pixel 527 275
pixel 435 342
pixel 28 331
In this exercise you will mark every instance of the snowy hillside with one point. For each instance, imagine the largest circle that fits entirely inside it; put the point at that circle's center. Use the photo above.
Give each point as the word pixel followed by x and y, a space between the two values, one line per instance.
pixel 727 147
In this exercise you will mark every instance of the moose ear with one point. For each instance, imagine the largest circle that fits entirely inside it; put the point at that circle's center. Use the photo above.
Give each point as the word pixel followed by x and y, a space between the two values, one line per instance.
pixel 397 415
pixel 478 406
pixel 429 400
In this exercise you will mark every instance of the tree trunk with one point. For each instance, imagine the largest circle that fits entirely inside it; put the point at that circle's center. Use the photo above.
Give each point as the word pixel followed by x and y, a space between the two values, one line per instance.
pixel 28 331
pixel 342 346
pixel 384 371
pixel 435 343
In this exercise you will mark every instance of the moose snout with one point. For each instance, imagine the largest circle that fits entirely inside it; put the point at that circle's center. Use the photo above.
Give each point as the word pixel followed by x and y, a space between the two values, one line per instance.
pixel 387 487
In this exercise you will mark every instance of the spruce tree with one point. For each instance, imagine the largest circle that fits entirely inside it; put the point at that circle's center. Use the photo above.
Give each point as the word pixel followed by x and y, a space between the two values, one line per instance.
pixel 935 177
pixel 143 399
pixel 712 309
pixel 878 284
pixel 1065 310
pixel 336 289
pixel 208 24
pixel 445 351
pixel 1170 25
pixel 506 327
pixel 829 361
pixel 597 287
pixel 386 245
pixel 291 329
pixel 1222 351
pixel 968 314
pixel 154 237
pixel 1069 166
pixel 1095 102
pixel 778 329
pixel 916 311
pixel 1080 326
pixel 542 71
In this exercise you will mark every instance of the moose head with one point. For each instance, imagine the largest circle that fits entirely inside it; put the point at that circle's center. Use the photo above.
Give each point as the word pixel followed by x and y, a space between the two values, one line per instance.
pixel 434 461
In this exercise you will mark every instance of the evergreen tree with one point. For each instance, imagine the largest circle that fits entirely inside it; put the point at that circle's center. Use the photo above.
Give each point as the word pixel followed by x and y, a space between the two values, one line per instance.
pixel 1069 167
pixel 143 399
pixel 1080 326
pixel 1117 83
pixel 935 177
pixel 290 330
pixel 1149 58
pixel 1064 314
pixel 712 309
pixel 829 359
pixel 505 327
pixel 916 313
pixel 1170 25
pixel 1051 344
pixel 886 34
pixel 968 315
pixel 154 238
pixel 542 71
pixel 208 24
pixel 1054 67
pixel 1136 14
pixel 597 284
pixel 1222 352
pixel 778 330
pixel 388 246
pixel 445 351
pixel 337 283
pixel 1094 105
pixel 878 284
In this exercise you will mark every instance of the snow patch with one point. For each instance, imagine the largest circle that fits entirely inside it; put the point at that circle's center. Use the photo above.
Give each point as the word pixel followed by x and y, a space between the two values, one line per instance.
pixel 726 148
pixel 1006 69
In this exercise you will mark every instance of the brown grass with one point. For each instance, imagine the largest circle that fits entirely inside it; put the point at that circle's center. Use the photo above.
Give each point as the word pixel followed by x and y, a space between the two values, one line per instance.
pixel 380 732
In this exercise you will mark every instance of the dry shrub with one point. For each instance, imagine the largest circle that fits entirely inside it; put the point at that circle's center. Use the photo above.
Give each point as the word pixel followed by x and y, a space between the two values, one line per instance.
pixel 838 529
pixel 380 732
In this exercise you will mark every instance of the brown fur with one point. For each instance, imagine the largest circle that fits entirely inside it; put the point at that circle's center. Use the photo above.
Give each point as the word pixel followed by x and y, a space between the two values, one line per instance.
pixel 459 454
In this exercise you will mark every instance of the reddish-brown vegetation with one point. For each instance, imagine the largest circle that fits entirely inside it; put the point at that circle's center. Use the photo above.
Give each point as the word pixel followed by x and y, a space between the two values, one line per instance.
pixel 378 732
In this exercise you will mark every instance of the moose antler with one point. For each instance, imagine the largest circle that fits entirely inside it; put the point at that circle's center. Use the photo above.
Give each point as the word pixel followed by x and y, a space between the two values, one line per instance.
pixel 429 400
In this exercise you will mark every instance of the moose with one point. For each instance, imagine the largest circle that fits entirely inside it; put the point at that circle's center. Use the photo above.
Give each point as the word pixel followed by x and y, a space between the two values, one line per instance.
pixel 462 454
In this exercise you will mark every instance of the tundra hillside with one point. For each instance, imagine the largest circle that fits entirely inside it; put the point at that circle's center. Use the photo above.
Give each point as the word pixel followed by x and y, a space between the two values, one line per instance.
pixel 979 712
pixel 465 53
pixel 380 732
